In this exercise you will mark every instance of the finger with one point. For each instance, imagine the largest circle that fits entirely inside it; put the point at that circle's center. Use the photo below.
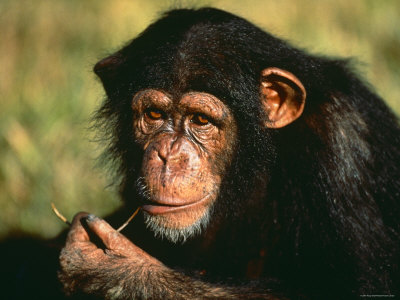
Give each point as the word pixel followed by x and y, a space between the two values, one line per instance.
pixel 77 232
pixel 111 238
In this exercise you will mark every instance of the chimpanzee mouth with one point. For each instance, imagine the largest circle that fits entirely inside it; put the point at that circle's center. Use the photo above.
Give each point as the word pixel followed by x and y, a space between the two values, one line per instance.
pixel 162 207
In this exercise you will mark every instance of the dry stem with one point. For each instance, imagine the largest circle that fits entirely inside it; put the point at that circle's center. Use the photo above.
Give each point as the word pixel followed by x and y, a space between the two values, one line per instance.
pixel 130 219
pixel 59 215
pixel 64 219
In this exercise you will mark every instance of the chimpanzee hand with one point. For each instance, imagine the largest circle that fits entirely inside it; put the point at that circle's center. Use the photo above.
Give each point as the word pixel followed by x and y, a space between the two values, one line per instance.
pixel 116 271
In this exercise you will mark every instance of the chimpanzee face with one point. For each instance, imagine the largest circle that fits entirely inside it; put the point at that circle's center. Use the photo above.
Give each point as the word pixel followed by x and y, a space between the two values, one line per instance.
pixel 187 143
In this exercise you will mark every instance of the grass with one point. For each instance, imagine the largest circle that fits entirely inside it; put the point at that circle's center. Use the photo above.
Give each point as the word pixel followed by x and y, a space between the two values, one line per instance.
pixel 48 92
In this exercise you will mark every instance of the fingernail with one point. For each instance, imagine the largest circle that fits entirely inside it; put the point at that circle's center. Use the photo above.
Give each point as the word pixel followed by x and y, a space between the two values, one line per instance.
pixel 91 218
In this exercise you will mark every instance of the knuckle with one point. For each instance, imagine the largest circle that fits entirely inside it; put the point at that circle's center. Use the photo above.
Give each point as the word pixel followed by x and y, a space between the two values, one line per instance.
pixel 114 236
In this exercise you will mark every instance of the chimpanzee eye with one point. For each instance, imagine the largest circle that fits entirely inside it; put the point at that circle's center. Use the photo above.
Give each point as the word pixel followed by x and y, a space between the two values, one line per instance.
pixel 154 114
pixel 200 119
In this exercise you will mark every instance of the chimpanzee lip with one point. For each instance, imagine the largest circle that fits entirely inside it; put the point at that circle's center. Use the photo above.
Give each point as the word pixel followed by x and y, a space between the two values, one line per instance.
pixel 158 207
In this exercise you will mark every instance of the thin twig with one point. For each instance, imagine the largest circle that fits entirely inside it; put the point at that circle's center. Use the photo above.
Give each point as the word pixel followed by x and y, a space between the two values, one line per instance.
pixel 130 219
pixel 64 219
pixel 59 215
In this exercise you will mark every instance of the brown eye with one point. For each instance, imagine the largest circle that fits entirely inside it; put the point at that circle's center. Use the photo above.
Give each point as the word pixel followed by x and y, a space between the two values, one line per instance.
pixel 200 119
pixel 154 114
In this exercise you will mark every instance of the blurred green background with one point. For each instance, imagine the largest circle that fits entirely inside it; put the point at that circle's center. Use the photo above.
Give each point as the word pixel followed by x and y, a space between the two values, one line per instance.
pixel 48 91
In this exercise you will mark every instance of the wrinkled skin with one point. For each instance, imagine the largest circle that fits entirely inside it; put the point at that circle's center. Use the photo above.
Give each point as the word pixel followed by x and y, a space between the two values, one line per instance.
pixel 187 146
pixel 81 255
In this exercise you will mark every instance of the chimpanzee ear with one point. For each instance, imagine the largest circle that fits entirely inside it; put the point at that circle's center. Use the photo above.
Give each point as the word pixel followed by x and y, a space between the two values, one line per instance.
pixel 282 97
pixel 108 70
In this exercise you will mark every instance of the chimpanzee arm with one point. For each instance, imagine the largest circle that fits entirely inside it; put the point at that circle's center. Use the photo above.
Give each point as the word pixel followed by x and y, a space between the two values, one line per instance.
pixel 124 271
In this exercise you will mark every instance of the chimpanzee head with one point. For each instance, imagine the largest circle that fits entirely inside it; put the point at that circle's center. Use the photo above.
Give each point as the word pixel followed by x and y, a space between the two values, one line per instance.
pixel 193 103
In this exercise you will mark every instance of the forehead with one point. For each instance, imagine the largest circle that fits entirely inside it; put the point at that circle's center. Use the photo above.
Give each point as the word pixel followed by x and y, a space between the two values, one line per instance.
pixel 199 60
pixel 182 75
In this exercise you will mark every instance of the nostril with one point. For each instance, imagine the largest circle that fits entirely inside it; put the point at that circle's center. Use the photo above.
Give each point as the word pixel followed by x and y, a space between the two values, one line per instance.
pixel 164 151
pixel 163 154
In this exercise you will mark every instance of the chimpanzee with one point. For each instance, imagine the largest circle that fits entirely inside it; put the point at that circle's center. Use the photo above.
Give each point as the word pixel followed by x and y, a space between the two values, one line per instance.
pixel 262 172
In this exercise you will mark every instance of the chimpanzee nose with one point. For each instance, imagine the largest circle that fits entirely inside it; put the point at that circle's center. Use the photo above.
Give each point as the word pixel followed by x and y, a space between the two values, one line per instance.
pixel 168 148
